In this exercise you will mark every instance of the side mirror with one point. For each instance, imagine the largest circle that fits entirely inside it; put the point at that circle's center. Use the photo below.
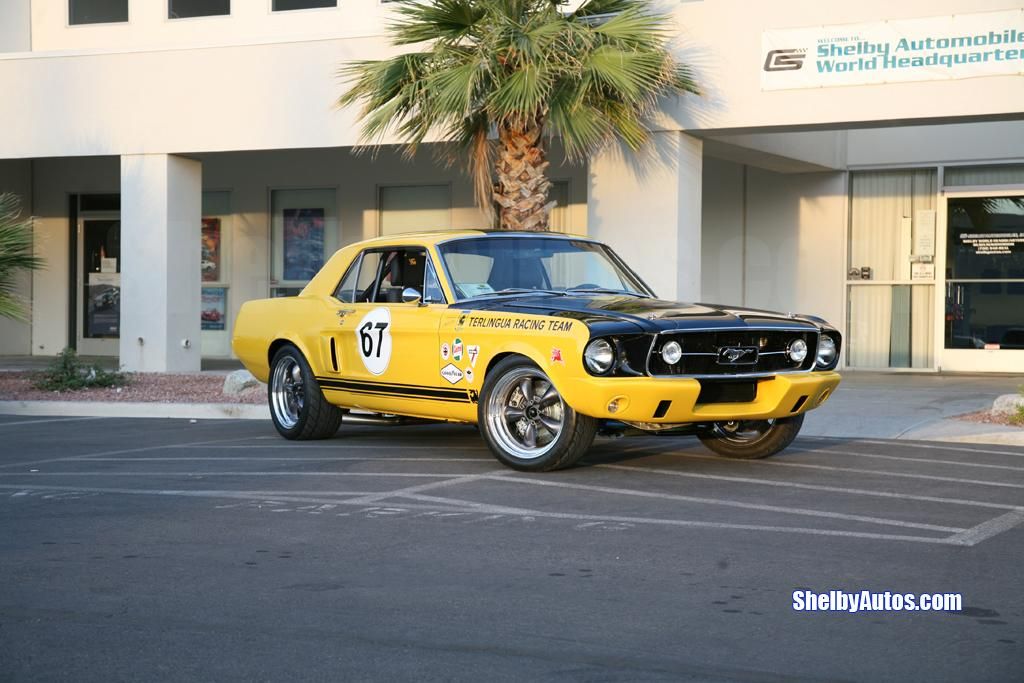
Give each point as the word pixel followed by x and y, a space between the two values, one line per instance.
pixel 410 296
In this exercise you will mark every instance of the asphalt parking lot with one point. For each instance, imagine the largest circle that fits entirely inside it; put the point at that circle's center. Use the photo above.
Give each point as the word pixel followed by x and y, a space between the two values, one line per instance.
pixel 214 550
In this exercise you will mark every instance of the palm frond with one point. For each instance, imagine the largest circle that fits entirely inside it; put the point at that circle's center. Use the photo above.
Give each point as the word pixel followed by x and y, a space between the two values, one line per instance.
pixel 510 66
pixel 16 255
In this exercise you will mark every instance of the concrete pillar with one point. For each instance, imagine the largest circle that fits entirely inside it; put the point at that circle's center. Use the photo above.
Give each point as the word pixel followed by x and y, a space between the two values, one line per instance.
pixel 161 213
pixel 647 206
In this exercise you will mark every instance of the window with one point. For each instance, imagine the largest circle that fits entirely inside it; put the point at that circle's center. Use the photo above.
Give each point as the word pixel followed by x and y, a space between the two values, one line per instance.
pixel 985 273
pixel 304 230
pixel 415 208
pixel 97 11
pixel 184 9
pixel 288 5
pixel 891 241
pixel 346 291
pixel 367 281
pixel 480 266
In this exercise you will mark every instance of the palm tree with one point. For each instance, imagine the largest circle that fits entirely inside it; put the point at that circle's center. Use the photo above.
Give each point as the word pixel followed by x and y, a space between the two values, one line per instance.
pixel 15 255
pixel 520 71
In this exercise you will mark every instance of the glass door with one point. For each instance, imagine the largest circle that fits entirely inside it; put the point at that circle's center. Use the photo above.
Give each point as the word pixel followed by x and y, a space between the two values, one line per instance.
pixel 983 324
pixel 891 270
pixel 99 285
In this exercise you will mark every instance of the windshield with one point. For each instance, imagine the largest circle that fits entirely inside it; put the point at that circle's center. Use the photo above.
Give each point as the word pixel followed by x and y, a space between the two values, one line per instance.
pixel 483 266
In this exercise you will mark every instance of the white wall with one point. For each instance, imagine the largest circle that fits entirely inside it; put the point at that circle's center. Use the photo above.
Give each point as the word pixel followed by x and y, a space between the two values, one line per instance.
pixel 16 337
pixel 794 237
pixel 987 141
pixel 796 232
pixel 722 244
pixel 15 26
pixel 136 89
pixel 249 21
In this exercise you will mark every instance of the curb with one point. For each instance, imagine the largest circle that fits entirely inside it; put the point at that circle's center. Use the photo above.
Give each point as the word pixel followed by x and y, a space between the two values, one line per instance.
pixel 191 411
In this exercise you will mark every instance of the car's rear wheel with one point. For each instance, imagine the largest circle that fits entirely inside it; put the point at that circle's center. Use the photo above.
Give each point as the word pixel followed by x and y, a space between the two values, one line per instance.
pixel 525 421
pixel 297 405
pixel 751 439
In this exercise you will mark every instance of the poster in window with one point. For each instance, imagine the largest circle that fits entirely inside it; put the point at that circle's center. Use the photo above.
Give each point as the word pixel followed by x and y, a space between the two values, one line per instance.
pixel 210 264
pixel 214 308
pixel 303 243
pixel 103 305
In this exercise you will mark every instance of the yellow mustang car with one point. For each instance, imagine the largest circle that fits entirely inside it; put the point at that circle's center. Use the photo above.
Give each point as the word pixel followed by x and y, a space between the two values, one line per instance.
pixel 541 340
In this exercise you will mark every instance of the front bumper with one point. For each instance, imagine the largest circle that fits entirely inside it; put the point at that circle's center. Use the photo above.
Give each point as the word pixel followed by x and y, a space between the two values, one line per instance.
pixel 641 399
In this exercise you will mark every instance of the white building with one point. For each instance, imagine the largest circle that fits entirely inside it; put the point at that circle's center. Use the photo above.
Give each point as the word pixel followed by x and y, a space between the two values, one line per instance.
pixel 864 169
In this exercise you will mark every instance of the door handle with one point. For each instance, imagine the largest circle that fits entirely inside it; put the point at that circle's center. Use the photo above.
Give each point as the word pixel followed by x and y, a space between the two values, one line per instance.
pixel 342 312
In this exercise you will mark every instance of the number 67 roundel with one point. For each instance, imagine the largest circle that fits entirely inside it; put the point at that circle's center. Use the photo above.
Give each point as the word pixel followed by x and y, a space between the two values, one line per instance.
pixel 373 339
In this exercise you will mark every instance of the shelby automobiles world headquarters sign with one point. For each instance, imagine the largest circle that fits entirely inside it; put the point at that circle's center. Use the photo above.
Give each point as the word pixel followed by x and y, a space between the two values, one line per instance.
pixel 934 48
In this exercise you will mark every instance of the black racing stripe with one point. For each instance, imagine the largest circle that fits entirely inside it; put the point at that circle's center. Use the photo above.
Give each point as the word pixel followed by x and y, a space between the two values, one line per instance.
pixel 381 384
pixel 464 399
pixel 385 389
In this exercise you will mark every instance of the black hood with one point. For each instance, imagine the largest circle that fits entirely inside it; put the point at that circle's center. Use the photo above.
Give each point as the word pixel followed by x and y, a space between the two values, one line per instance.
pixel 612 313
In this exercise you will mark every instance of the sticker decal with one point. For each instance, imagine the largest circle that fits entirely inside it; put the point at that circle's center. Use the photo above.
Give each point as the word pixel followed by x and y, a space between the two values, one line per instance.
pixel 451 373
pixel 445 351
pixel 473 350
pixel 556 356
pixel 457 349
pixel 373 340
pixel 470 375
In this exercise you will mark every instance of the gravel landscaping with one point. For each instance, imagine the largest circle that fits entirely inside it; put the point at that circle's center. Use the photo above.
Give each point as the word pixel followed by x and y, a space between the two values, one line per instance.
pixel 142 387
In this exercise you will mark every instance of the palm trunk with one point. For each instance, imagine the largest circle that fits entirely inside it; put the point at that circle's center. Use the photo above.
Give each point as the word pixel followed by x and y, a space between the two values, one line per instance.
pixel 522 188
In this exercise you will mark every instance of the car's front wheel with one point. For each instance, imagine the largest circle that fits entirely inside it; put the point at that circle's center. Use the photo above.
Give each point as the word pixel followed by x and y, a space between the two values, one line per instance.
pixel 524 420
pixel 297 405
pixel 750 439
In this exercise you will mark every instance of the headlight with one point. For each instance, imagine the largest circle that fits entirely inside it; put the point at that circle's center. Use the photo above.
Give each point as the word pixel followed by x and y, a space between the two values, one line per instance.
pixel 599 356
pixel 671 352
pixel 826 351
pixel 797 350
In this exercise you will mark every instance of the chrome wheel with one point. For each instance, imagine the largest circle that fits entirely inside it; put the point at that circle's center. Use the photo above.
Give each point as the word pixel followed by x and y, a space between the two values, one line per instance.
pixel 525 413
pixel 287 392
pixel 743 432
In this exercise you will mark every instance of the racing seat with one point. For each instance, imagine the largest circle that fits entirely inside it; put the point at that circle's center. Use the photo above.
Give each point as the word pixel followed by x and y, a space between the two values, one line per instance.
pixel 518 273
pixel 405 269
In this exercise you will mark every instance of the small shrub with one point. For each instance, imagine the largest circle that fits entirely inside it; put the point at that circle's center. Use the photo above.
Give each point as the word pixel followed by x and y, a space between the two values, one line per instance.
pixel 68 373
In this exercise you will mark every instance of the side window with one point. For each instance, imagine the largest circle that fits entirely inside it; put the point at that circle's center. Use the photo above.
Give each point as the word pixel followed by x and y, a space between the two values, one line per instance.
pixel 366 282
pixel 346 291
pixel 432 293
pixel 403 269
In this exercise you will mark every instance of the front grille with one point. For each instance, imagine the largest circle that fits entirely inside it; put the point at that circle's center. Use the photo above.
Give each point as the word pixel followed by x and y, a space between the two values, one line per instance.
pixel 702 352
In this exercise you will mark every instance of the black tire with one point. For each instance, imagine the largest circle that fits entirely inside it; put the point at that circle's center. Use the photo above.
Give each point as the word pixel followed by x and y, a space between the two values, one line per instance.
pixel 731 439
pixel 299 411
pixel 553 448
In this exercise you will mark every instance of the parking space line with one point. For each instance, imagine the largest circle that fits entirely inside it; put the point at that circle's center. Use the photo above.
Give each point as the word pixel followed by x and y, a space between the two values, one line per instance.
pixel 987 530
pixel 938 445
pixel 230 474
pixel 341 445
pixel 55 419
pixel 812 487
pixel 453 480
pixel 264 496
pixel 879 456
pixel 725 503
pixel 123 451
pixel 832 468
pixel 682 523
pixel 285 458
